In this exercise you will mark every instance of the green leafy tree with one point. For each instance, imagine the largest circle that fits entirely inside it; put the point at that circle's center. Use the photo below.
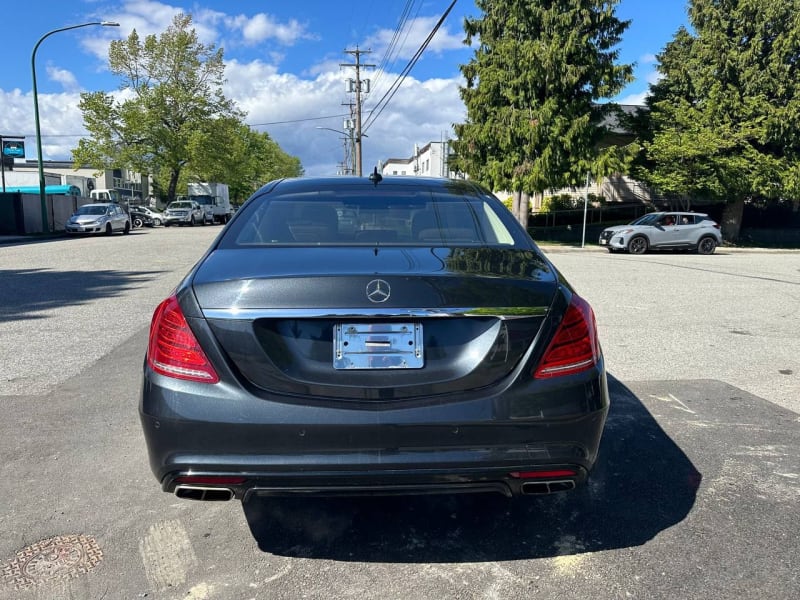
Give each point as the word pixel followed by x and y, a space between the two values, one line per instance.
pixel 234 153
pixel 532 90
pixel 724 120
pixel 173 119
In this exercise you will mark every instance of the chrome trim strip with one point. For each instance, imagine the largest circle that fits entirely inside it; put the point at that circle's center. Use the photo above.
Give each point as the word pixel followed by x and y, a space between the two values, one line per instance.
pixel 250 314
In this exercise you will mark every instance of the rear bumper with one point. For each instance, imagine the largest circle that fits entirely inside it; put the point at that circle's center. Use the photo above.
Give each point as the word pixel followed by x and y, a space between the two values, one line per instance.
pixel 378 483
pixel 284 447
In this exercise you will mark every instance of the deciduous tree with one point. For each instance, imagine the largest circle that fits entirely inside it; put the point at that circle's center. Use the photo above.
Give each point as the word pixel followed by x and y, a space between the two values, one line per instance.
pixel 172 118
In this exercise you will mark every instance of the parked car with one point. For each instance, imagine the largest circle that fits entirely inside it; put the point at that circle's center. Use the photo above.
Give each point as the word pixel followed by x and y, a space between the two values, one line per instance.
pixel 99 218
pixel 664 231
pixel 140 218
pixel 183 212
pixel 156 217
pixel 428 346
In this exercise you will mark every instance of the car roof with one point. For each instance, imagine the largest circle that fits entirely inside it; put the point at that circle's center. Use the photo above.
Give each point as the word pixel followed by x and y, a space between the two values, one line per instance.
pixel 309 184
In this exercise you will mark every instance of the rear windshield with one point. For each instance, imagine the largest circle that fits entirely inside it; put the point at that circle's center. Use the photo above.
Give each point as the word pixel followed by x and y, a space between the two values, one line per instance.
pixel 359 216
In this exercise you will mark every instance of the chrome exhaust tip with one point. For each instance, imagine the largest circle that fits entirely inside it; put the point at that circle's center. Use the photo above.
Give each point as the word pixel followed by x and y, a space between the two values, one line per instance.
pixel 536 488
pixel 208 494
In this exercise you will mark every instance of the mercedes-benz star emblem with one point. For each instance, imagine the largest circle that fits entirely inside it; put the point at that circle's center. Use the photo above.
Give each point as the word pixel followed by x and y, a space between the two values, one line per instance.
pixel 378 291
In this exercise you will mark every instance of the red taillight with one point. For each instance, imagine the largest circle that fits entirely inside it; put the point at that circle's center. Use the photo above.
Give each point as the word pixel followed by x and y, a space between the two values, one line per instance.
pixel 173 349
pixel 574 347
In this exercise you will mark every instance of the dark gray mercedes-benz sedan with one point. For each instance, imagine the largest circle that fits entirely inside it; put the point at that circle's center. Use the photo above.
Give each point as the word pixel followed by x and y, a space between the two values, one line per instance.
pixel 349 336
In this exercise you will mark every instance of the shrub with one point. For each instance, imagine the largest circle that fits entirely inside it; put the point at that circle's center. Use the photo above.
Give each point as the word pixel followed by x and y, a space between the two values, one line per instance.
pixel 559 202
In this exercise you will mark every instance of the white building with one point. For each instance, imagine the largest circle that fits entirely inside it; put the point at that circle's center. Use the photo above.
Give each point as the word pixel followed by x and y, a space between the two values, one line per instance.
pixel 428 161
pixel 432 161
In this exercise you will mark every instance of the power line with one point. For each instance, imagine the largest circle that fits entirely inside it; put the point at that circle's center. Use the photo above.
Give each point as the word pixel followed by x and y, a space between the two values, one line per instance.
pixel 384 101
pixel 297 120
pixel 392 50
pixel 73 135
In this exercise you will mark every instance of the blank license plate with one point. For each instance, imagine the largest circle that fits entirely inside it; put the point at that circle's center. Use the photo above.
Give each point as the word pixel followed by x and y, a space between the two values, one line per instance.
pixel 377 346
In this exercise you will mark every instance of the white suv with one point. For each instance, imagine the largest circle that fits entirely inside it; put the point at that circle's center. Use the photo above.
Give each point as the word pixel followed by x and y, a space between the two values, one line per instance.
pixel 183 212
pixel 664 231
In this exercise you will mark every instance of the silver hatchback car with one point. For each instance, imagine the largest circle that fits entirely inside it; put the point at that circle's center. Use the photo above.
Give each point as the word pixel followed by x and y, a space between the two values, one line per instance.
pixel 99 218
pixel 664 231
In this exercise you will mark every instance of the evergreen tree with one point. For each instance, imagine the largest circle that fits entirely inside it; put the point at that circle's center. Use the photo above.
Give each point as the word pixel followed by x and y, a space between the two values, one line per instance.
pixel 724 120
pixel 532 87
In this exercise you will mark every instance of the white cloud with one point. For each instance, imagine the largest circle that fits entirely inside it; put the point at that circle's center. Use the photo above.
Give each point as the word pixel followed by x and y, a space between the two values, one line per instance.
pixel 59 119
pixel 147 18
pixel 653 77
pixel 64 77
pixel 635 99
pixel 420 112
pixel 648 59
pixel 412 37
pixel 284 105
pixel 263 27
pixel 290 107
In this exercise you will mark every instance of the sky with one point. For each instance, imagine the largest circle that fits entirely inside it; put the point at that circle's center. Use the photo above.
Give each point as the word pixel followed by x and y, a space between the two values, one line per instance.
pixel 283 66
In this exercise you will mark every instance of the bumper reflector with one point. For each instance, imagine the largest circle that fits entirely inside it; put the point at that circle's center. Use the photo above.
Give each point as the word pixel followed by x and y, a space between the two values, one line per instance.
pixel 543 474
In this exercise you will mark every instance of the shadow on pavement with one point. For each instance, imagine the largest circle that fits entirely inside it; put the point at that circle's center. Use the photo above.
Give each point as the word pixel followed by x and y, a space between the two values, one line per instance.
pixel 642 484
pixel 26 292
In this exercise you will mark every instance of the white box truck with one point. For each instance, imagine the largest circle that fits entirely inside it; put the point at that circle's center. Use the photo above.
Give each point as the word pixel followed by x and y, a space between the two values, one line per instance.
pixel 214 199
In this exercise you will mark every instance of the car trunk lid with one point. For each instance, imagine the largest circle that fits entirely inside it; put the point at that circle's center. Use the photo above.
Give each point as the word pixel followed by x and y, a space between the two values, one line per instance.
pixel 460 318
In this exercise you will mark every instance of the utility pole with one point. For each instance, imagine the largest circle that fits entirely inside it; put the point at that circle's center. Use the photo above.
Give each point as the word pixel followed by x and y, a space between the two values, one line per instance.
pixel 356 86
pixel 350 150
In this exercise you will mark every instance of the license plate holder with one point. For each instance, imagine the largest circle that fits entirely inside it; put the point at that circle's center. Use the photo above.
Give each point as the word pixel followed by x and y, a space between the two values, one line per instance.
pixel 378 346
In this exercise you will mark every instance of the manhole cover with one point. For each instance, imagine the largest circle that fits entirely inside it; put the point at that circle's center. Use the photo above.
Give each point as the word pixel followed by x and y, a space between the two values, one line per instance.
pixel 60 557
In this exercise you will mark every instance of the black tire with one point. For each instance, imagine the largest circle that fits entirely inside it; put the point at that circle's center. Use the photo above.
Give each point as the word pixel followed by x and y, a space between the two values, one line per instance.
pixel 637 245
pixel 166 224
pixel 706 245
pixel 127 229
pixel 137 222
pixel 109 231
pixel 191 221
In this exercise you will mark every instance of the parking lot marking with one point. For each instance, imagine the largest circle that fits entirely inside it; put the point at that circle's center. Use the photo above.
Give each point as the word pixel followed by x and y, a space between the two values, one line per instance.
pixel 672 399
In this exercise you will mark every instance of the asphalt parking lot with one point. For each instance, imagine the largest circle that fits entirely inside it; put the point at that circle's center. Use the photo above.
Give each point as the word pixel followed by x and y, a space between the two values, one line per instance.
pixel 696 493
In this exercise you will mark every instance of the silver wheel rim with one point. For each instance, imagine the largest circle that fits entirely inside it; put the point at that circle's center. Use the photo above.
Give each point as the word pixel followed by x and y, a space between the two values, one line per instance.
pixel 638 245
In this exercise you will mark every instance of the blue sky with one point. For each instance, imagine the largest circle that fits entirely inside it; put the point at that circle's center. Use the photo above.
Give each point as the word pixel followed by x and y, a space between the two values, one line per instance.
pixel 283 65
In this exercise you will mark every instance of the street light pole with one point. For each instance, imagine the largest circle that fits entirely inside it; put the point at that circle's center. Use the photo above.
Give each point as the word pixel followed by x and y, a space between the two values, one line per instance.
pixel 348 136
pixel 42 198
